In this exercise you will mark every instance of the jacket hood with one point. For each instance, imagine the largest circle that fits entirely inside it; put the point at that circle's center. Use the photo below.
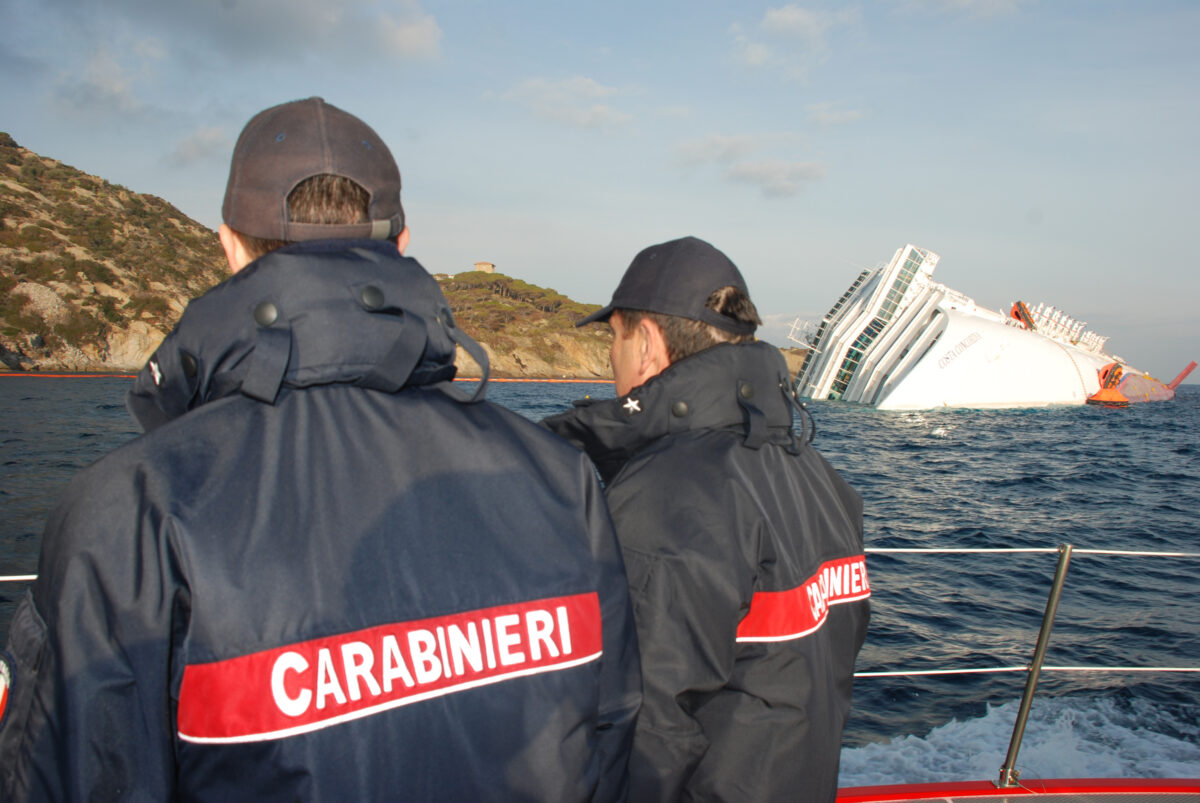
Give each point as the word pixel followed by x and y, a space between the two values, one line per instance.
pixel 744 388
pixel 334 311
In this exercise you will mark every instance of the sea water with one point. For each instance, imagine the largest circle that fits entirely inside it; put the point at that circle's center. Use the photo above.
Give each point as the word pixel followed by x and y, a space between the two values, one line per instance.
pixel 1095 478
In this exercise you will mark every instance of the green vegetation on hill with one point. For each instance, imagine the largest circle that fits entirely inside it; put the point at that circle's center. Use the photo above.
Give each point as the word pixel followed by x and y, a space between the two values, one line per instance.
pixel 489 301
pixel 516 318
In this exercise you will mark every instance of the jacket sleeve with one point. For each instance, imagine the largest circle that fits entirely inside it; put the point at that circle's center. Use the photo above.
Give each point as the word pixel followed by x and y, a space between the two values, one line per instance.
pixel 90 714
pixel 620 690
pixel 689 583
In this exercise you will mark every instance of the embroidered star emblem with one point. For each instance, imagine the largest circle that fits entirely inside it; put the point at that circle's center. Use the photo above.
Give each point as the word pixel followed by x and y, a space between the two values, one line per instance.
pixel 632 406
pixel 155 373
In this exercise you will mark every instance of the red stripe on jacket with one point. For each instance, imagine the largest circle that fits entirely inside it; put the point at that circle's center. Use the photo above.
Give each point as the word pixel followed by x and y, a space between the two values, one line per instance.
pixel 314 684
pixel 792 614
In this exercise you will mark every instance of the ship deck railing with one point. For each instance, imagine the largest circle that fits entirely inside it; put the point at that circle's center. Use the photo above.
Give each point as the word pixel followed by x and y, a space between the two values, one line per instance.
pixel 1008 772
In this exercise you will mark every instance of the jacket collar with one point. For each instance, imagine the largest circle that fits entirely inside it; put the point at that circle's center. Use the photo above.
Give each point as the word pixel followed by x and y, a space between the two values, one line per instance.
pixel 334 311
pixel 742 388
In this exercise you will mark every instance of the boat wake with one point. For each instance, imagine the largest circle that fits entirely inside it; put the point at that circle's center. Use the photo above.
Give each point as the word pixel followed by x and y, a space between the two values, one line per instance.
pixel 1066 737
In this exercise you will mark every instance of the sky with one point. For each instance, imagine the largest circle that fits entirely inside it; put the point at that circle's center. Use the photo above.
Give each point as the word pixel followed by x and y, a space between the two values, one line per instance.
pixel 1046 150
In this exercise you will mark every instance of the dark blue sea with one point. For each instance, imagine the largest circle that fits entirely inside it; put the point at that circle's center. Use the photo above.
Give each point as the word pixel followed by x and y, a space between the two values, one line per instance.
pixel 1095 478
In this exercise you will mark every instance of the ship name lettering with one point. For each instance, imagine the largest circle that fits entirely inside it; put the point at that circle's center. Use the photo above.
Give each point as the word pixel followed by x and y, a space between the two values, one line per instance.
pixel 959 348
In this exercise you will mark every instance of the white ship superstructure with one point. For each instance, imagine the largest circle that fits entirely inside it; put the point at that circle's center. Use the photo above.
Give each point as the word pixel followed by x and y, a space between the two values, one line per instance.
pixel 898 340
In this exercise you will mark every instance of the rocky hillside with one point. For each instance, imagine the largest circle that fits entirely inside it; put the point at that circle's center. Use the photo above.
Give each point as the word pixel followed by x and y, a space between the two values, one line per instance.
pixel 526 330
pixel 93 275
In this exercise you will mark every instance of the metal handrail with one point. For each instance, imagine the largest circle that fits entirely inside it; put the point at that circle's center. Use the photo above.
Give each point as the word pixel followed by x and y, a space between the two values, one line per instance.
pixel 13 578
pixel 1044 550
pixel 1024 667
pixel 903 673
pixel 1008 770
pixel 1009 775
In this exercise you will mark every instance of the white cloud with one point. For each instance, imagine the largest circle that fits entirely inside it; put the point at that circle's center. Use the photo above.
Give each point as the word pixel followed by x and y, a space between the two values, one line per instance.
pixel 123 59
pixel 349 30
pixel 777 327
pixel 416 37
pixel 751 53
pixel 716 148
pixel 204 144
pixel 676 112
pixel 827 114
pixel 279 31
pixel 102 86
pixel 149 49
pixel 797 22
pixel 776 179
pixel 573 101
pixel 976 8
pixel 800 34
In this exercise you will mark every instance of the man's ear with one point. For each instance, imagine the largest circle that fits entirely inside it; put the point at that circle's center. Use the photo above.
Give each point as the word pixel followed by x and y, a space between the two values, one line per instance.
pixel 235 252
pixel 653 355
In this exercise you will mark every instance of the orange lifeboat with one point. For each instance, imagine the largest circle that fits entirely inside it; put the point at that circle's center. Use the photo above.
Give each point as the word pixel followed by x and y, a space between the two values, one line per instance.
pixel 1108 395
pixel 1020 312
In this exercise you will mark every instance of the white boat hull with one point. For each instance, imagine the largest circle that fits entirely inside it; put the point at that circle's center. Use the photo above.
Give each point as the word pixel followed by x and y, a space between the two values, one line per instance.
pixel 982 362
pixel 897 340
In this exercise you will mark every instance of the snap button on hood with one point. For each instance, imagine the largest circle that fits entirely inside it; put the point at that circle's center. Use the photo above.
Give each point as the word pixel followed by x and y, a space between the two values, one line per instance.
pixel 266 313
pixel 371 297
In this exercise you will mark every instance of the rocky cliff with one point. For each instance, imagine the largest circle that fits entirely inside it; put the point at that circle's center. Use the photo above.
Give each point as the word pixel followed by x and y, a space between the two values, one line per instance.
pixel 93 275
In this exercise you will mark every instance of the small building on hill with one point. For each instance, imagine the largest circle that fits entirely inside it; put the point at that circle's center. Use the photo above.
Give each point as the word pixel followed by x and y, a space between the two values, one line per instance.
pixel 486 267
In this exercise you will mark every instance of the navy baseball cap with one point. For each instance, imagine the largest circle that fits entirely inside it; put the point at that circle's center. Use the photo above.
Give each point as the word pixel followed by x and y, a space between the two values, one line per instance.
pixel 286 144
pixel 676 278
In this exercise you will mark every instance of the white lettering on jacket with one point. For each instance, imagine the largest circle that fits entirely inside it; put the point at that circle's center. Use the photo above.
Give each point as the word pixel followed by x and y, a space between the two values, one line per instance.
pixel 314 684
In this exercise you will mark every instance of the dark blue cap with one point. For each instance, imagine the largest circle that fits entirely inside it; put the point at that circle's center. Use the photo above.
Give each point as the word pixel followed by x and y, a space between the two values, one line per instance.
pixel 676 278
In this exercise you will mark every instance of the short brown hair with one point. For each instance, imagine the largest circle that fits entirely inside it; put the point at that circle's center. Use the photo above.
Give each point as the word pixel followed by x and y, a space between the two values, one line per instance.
pixel 325 199
pixel 684 336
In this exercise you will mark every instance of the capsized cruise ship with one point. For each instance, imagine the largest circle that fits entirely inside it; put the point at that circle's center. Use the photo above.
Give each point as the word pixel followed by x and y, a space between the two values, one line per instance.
pixel 897 340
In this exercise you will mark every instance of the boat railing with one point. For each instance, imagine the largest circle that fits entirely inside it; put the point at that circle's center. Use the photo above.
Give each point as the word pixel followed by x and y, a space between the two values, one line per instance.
pixel 1009 775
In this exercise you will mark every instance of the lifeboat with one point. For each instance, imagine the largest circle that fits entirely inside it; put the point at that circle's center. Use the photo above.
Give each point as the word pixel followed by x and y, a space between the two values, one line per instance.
pixel 1108 395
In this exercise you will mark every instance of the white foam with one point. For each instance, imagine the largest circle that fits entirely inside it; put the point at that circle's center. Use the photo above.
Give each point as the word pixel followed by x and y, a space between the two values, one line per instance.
pixel 1064 738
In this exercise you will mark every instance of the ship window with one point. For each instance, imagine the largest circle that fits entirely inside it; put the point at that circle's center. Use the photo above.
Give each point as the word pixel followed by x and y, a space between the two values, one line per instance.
pixel 854 355
pixel 816 341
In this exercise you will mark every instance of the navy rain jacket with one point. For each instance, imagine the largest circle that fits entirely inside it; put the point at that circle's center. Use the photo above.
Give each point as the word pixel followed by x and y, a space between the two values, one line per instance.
pixel 744 552
pixel 324 573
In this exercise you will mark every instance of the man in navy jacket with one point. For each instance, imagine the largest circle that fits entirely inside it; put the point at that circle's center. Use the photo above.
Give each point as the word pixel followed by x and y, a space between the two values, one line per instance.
pixel 743 545
pixel 324 573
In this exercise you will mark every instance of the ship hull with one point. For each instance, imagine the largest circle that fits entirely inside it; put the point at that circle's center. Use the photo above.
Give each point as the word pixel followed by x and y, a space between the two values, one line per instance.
pixel 1140 388
pixel 897 340
pixel 982 362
